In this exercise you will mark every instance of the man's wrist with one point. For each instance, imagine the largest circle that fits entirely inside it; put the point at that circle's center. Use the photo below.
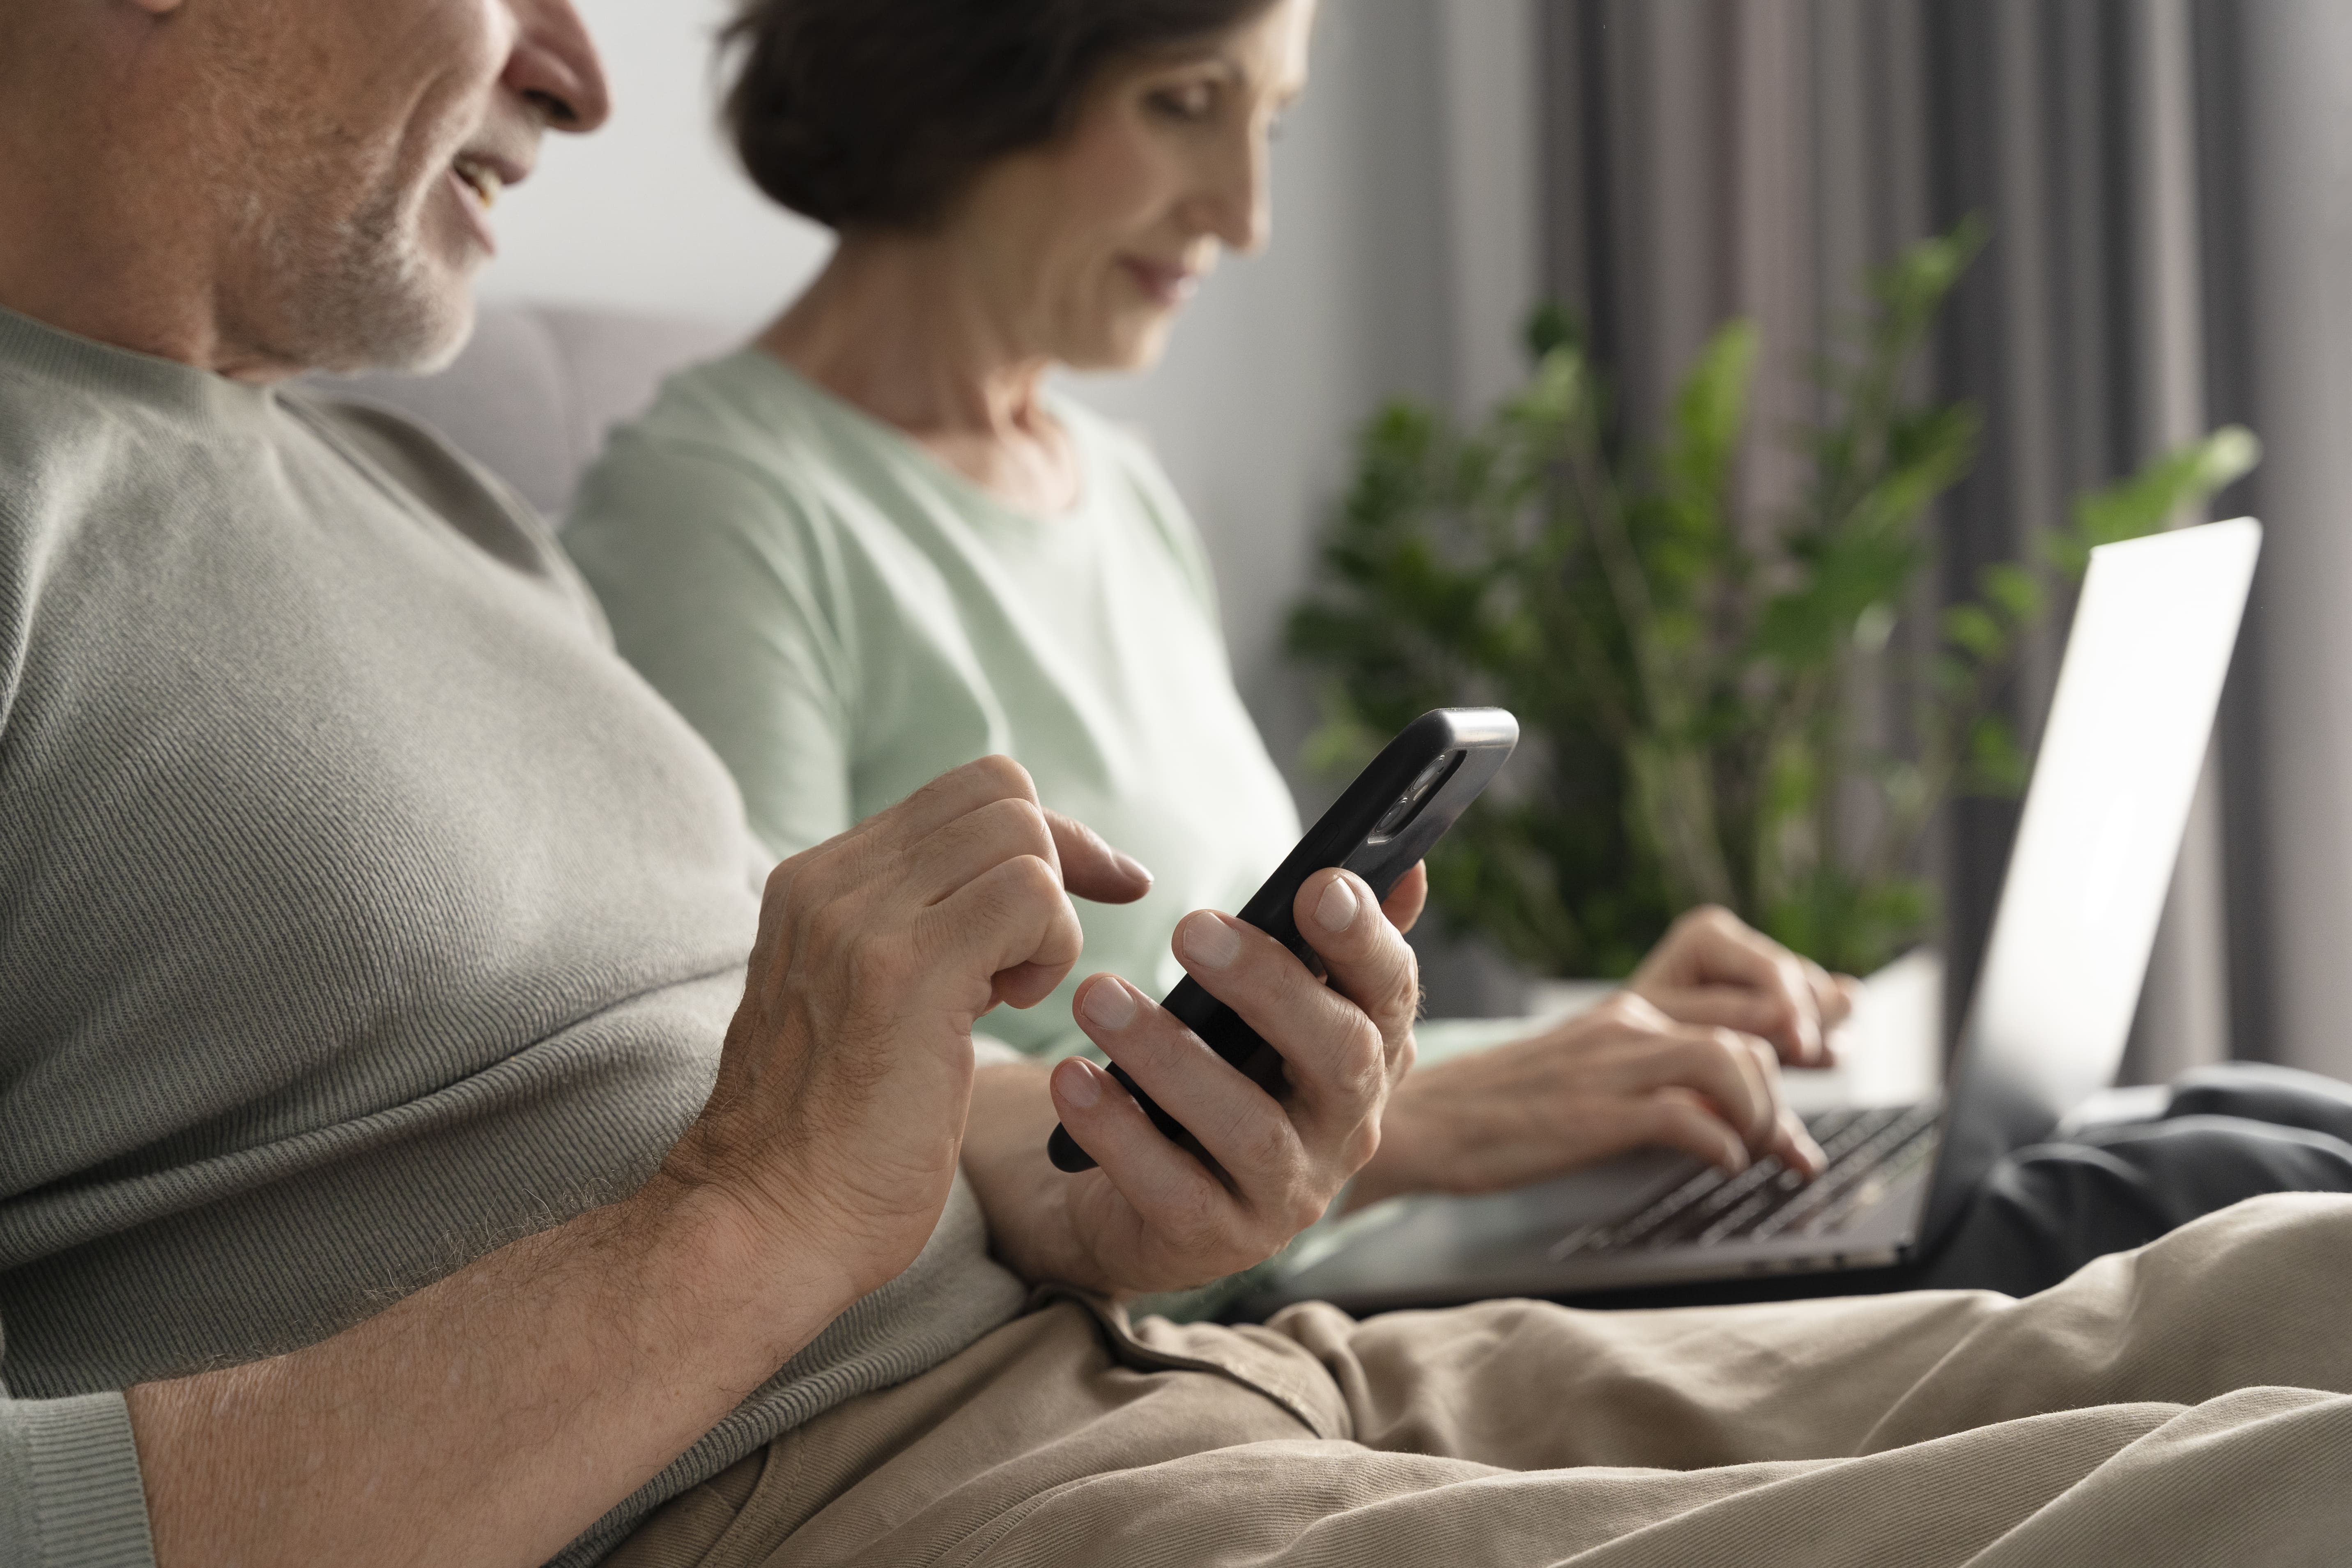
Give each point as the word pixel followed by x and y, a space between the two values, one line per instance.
pixel 735 1258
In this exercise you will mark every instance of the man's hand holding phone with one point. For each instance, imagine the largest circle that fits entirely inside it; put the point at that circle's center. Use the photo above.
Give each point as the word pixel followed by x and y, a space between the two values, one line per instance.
pixel 1153 1216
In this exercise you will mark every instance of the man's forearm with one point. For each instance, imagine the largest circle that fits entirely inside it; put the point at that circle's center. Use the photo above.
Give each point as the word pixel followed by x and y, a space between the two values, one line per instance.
pixel 492 1417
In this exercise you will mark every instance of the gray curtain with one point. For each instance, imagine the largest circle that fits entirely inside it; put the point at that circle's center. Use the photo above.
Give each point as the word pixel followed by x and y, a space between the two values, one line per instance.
pixel 2167 181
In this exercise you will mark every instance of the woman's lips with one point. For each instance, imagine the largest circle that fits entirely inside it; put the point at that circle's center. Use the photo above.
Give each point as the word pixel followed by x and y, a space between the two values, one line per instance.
pixel 1166 286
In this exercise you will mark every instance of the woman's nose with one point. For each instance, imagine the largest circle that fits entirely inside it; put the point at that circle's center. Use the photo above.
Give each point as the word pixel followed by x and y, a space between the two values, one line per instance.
pixel 1231 199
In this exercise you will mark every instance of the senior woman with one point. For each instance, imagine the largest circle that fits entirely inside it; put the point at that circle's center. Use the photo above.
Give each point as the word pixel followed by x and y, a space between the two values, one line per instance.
pixel 876 543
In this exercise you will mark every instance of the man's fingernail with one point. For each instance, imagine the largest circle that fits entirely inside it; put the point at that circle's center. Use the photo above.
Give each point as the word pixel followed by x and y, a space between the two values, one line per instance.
pixel 1076 1079
pixel 1131 866
pixel 1336 910
pixel 1210 943
pixel 1108 1005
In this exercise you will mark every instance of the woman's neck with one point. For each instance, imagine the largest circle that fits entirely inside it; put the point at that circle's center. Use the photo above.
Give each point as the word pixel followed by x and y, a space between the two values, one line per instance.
pixel 898 326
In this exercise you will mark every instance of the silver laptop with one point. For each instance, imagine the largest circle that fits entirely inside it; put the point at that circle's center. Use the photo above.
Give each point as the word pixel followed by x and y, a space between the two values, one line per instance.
pixel 2046 1026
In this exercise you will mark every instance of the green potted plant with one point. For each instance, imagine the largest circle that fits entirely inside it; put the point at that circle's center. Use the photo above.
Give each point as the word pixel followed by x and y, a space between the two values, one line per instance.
pixel 1687 686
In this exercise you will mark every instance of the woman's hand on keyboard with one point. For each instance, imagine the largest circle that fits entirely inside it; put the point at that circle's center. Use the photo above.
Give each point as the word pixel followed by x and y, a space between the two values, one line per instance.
pixel 1711 967
pixel 1618 1077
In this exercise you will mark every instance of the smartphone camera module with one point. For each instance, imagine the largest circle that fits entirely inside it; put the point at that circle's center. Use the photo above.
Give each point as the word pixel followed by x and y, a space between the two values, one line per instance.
pixel 1416 795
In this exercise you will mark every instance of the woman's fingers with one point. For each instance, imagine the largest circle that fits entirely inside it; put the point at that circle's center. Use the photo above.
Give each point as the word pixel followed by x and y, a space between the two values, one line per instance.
pixel 1617 1077
pixel 1839 992
pixel 1737 1073
pixel 1681 1119
pixel 1725 1007
pixel 1795 1148
pixel 1739 1077
pixel 1834 999
pixel 1711 949
pixel 1720 1065
pixel 1782 1133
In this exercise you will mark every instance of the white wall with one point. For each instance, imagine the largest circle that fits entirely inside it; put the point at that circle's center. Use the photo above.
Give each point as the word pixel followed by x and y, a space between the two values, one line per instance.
pixel 1279 361
pixel 651 212
pixel 1489 52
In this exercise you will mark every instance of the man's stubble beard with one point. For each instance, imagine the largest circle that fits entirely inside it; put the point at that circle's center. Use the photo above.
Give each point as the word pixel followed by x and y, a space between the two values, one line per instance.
pixel 356 292
pixel 314 279
pixel 368 298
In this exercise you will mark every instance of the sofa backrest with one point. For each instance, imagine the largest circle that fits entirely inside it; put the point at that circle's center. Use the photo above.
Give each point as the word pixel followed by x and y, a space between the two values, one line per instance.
pixel 538 389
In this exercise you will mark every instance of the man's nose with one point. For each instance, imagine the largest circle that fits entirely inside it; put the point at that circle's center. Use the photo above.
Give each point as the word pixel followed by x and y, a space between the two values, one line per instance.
pixel 554 67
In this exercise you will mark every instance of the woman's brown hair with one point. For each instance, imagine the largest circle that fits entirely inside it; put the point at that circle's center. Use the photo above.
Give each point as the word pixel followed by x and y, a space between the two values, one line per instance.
pixel 875 112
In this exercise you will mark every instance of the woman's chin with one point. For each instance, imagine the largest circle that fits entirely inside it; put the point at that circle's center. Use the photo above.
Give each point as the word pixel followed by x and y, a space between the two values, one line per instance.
pixel 1127 348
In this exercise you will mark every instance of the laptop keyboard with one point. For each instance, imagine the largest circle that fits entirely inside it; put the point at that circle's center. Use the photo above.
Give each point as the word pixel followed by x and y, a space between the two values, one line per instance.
pixel 1867 1152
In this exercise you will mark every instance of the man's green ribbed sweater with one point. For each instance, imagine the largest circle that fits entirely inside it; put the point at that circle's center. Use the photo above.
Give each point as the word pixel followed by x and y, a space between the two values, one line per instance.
pixel 359 911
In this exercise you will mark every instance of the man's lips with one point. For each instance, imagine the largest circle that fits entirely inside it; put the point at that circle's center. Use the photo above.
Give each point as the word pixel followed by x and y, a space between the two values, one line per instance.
pixel 484 175
pixel 477 178
pixel 477 211
pixel 1165 285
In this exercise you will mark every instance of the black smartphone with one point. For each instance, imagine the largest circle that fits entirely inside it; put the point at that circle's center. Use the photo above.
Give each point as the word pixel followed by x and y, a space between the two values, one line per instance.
pixel 1401 804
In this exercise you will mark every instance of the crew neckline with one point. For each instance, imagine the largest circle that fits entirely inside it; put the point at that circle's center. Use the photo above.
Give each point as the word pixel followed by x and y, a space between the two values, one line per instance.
pixel 879 432
pixel 86 365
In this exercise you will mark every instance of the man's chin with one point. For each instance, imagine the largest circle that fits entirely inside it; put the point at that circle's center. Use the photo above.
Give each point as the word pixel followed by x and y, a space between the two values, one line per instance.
pixel 406 333
pixel 455 330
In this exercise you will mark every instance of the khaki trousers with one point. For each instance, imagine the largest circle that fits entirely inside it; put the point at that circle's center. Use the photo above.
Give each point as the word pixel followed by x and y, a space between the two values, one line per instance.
pixel 2183 1404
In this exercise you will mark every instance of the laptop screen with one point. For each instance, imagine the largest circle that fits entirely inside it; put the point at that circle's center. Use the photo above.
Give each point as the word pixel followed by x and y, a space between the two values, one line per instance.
pixel 2110 797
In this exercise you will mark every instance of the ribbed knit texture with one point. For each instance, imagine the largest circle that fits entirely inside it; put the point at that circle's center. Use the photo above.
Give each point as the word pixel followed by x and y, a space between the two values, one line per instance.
pixel 359 911
pixel 72 1483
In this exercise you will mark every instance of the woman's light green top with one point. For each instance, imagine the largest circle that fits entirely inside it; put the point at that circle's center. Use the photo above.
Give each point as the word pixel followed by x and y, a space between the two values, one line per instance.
pixel 845 619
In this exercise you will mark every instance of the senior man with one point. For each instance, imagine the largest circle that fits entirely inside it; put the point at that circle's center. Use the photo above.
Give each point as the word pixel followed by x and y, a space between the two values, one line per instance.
pixel 397 1163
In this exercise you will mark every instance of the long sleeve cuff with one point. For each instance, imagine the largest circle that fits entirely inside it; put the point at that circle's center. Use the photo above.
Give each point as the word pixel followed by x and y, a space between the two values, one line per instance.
pixel 70 1494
